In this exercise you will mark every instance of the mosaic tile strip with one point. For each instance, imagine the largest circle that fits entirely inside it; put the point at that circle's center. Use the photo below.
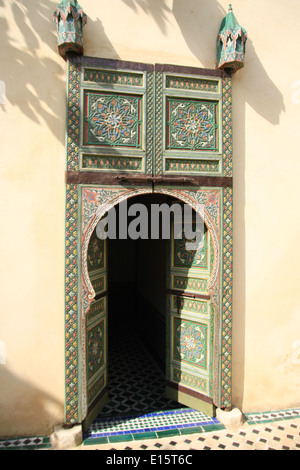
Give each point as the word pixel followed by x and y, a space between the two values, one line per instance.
pixel 73 117
pixel 112 163
pixel 71 321
pixel 227 299
pixel 25 443
pixel 190 83
pixel 227 126
pixel 270 416
pixel 113 78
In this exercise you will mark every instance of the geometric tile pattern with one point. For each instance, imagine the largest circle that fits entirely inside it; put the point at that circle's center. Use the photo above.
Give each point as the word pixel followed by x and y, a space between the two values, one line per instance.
pixel 136 383
pixel 150 426
pixel 227 125
pixel 138 408
pixel 73 111
pixel 272 416
pixel 278 434
pixel 276 430
pixel 71 281
pixel 227 298
pixel 28 443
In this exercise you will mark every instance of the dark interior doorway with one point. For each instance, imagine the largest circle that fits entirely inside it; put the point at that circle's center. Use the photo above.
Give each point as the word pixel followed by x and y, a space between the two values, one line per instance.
pixel 137 322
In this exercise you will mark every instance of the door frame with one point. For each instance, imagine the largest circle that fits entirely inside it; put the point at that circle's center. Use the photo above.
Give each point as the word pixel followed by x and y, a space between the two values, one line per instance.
pixel 86 204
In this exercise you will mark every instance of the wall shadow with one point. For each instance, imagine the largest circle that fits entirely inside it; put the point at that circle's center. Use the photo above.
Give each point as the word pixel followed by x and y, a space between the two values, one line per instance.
pixel 26 71
pixel 158 9
pixel 96 41
pixel 199 22
pixel 32 77
pixel 28 409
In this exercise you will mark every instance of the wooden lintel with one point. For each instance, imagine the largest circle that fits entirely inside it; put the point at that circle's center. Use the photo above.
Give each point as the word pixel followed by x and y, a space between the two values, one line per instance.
pixel 104 178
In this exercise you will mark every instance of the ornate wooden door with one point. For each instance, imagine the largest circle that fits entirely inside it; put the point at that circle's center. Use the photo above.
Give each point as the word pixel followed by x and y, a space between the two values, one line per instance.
pixel 190 323
pixel 96 330
pixel 153 126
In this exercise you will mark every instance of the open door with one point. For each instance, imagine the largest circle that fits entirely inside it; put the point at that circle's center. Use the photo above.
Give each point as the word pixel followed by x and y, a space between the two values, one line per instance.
pixel 96 331
pixel 190 323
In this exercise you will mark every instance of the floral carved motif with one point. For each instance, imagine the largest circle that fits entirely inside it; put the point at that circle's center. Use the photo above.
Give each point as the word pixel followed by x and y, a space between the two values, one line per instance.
pixel 113 120
pixel 192 125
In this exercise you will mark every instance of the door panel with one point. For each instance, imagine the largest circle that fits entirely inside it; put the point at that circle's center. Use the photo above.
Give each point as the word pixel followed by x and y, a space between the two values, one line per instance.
pixel 96 330
pixel 190 325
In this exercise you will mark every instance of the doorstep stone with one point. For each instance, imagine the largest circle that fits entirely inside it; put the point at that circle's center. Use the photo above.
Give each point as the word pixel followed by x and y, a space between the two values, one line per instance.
pixel 230 419
pixel 65 438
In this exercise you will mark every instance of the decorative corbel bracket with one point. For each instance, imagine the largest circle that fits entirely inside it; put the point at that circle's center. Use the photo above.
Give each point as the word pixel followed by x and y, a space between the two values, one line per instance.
pixel 70 19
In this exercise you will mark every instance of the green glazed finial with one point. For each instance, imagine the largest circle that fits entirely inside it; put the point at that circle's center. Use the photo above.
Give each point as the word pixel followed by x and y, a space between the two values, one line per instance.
pixel 231 43
pixel 70 19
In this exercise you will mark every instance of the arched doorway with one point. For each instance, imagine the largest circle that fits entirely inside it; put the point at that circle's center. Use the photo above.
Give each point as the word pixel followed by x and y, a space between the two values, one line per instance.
pixel 182 293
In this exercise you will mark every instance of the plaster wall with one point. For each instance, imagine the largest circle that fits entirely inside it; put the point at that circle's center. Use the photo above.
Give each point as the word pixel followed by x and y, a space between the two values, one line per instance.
pixel 266 93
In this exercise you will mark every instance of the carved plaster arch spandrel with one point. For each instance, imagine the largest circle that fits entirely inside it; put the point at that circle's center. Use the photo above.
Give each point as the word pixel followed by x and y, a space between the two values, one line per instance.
pixel 96 202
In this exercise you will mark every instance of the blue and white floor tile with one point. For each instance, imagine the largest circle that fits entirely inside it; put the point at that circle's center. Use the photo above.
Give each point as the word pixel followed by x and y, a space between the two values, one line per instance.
pixel 138 408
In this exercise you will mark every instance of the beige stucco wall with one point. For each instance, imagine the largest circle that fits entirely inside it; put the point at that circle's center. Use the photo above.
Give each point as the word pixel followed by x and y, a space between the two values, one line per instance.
pixel 266 338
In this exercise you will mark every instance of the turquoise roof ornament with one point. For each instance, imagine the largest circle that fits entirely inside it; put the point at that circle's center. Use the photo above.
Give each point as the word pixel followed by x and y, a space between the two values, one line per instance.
pixel 231 43
pixel 70 19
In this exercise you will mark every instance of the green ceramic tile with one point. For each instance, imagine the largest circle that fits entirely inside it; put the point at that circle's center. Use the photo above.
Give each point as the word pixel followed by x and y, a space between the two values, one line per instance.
pixel 144 435
pixel 193 430
pixel 213 427
pixel 95 440
pixel 169 432
pixel 122 438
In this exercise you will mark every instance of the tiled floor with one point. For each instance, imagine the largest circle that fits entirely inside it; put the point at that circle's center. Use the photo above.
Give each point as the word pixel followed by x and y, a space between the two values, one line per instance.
pixel 276 435
pixel 136 383
pixel 138 408
pixel 139 417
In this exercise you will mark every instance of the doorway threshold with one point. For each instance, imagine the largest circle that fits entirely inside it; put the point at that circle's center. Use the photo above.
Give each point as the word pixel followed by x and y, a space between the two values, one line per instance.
pixel 154 425
pixel 137 408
